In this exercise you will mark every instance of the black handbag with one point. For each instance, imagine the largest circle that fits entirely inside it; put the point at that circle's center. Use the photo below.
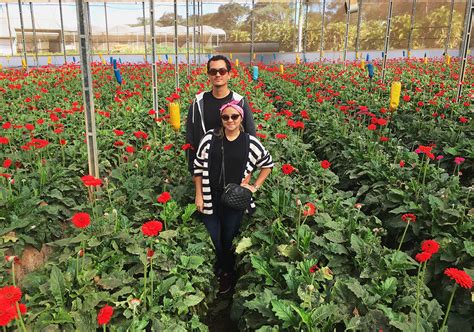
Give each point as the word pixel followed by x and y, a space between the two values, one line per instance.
pixel 234 196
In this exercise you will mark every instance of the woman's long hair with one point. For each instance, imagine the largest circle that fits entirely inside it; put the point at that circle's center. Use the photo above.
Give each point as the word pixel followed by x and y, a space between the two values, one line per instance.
pixel 220 132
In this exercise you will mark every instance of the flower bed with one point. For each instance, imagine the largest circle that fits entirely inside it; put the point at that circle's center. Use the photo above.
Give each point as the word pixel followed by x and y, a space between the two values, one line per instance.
pixel 344 236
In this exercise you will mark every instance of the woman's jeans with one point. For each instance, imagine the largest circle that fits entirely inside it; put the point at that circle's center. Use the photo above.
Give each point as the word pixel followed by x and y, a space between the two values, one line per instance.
pixel 223 225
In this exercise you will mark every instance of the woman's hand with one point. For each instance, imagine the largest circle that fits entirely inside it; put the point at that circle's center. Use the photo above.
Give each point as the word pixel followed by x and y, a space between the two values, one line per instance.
pixel 199 201
pixel 249 187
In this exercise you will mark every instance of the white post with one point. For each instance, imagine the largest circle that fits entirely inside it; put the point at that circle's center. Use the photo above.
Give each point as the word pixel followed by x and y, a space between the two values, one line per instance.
pixel 88 95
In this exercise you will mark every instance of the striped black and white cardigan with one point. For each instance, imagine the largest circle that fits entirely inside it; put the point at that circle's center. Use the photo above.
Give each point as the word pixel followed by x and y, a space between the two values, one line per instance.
pixel 258 157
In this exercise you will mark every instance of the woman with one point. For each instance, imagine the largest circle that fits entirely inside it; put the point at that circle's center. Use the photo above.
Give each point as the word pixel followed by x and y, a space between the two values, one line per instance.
pixel 243 154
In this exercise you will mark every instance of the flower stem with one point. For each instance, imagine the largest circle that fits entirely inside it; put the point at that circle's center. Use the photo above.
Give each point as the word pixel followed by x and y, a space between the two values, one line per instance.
pixel 104 326
pixel 403 236
pixel 20 318
pixel 449 307
pixel 144 284
pixel 151 274
pixel 418 298
pixel 13 273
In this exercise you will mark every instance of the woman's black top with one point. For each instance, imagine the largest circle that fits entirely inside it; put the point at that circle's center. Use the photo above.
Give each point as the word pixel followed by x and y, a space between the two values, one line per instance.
pixel 235 158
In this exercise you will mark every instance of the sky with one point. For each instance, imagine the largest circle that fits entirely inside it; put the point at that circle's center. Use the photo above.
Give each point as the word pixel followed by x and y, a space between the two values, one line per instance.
pixel 117 13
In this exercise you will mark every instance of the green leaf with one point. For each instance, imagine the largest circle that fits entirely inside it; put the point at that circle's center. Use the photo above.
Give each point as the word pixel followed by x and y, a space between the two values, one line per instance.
pixel 305 317
pixel 193 299
pixel 357 289
pixel 335 236
pixel 262 268
pixel 168 234
pixel 290 251
pixel 321 314
pixel 469 246
pixel 188 212
pixel 57 284
pixel 243 245
pixel 282 309
pixel 191 262
pixel 70 240
pixel 357 244
pixel 261 303
pixel 387 288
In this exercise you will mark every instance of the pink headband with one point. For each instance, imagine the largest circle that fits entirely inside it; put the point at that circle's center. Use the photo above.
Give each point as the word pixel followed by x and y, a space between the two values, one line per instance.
pixel 234 105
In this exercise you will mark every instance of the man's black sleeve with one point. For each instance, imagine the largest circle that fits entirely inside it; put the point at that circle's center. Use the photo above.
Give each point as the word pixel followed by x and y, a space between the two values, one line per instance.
pixel 191 152
pixel 249 124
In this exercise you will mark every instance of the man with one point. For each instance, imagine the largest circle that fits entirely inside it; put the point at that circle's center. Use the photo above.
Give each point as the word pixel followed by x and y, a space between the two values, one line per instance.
pixel 204 112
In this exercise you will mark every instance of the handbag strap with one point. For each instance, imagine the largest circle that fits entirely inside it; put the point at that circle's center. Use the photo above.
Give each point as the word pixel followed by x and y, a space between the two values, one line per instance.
pixel 222 176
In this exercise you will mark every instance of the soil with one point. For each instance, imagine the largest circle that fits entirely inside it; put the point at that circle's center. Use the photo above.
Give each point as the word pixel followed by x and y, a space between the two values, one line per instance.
pixel 218 318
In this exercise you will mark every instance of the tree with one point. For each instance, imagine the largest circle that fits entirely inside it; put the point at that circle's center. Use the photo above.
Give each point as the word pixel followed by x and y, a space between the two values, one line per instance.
pixel 167 19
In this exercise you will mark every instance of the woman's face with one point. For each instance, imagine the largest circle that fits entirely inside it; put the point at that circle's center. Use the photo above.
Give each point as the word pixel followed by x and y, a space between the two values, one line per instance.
pixel 231 118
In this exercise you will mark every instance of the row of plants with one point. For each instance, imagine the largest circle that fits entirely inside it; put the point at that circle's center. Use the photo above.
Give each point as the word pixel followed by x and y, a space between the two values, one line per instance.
pixel 370 216
pixel 126 252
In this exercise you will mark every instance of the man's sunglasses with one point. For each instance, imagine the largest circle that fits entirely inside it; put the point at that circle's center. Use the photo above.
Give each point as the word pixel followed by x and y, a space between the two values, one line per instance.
pixel 226 117
pixel 214 71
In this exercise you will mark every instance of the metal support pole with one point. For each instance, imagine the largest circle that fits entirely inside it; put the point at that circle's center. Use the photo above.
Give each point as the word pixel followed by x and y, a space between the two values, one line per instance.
pixel 450 22
pixel 194 31
pixel 294 26
pixel 412 26
pixel 198 32
pixel 188 68
pixel 252 32
pixel 88 95
pixel 346 37
pixel 202 41
pixel 106 28
pixel 466 19
pixel 176 66
pixel 465 47
pixel 305 35
pixel 321 46
pixel 300 27
pixel 63 42
pixel 9 29
pixel 23 33
pixel 144 29
pixel 35 41
pixel 387 39
pixel 153 57
pixel 359 20
pixel 88 22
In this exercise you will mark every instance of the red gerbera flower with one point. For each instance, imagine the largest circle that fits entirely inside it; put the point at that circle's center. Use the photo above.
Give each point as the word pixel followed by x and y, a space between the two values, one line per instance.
pixel 281 136
pixel 7 314
pixel 81 219
pixel 9 295
pixel 314 268
pixel 409 217
pixel 105 314
pixel 118 132
pixel 91 181
pixel 372 127
pixel 140 134
pixel 164 197
pixel 423 257
pixel 152 228
pixel 7 163
pixel 309 209
pixel 325 164
pixel 287 169
pixel 459 276
pixel 430 246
